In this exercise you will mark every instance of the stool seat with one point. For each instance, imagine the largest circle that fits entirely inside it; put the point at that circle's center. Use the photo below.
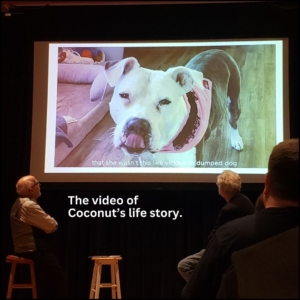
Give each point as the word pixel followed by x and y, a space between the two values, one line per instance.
pixel 112 261
pixel 14 261
pixel 18 260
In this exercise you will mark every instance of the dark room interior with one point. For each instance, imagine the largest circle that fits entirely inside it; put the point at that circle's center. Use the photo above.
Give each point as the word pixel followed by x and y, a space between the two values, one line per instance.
pixel 151 247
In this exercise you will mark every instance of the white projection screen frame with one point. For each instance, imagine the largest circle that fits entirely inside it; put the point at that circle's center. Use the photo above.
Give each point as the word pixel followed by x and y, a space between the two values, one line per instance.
pixel 73 130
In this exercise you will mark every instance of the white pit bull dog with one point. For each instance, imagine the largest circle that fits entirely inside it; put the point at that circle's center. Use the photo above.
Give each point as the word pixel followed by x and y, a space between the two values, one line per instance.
pixel 170 114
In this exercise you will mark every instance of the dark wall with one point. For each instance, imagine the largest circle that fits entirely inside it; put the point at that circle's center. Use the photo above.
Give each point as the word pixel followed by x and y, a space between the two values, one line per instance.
pixel 150 247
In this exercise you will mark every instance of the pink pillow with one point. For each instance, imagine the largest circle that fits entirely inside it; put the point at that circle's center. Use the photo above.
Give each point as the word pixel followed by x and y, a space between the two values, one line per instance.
pixel 77 73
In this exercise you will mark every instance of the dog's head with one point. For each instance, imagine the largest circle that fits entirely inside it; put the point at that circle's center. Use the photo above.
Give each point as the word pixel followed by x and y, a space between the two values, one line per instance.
pixel 148 106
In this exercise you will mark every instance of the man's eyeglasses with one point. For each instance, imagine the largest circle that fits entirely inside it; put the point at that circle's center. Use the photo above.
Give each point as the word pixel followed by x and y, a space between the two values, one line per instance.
pixel 37 183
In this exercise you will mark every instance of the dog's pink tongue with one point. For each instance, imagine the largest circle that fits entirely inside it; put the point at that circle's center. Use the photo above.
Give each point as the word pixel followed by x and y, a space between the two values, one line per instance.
pixel 135 141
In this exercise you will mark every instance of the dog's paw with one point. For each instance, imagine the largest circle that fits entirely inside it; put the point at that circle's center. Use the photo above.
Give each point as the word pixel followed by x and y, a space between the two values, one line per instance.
pixel 237 145
pixel 236 140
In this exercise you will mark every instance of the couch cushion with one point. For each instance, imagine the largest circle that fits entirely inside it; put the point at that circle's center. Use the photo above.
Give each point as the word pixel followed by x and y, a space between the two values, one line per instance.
pixel 77 73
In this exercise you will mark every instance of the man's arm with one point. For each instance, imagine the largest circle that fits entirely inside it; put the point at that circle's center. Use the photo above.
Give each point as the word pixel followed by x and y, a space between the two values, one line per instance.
pixel 223 217
pixel 200 285
pixel 206 278
pixel 31 213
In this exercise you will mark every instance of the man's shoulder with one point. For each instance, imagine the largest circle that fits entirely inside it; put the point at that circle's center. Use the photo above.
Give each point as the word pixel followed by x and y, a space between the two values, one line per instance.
pixel 237 225
pixel 242 197
pixel 238 202
pixel 27 202
pixel 249 219
pixel 241 201
pixel 280 267
pixel 290 237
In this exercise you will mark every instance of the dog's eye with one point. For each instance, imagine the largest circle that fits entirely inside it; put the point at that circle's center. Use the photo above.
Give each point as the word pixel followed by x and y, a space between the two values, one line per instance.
pixel 124 95
pixel 164 102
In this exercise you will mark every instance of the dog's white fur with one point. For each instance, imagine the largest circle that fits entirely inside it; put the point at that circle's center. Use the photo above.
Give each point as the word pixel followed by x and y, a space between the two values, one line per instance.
pixel 157 97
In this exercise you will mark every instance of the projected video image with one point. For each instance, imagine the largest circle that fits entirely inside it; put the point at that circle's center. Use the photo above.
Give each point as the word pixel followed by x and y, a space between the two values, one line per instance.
pixel 163 107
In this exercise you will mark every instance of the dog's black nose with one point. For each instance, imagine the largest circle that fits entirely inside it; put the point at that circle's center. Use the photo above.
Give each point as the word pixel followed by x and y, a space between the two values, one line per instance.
pixel 137 126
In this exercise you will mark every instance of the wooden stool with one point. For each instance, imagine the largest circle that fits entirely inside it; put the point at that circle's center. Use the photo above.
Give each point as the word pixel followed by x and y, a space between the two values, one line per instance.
pixel 99 261
pixel 14 261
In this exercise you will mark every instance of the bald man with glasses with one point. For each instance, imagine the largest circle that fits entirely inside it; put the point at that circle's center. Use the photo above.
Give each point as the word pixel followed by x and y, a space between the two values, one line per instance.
pixel 33 234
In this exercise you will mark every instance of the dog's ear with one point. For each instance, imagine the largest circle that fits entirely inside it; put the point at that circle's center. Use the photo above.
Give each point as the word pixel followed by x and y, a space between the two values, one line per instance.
pixel 113 70
pixel 186 77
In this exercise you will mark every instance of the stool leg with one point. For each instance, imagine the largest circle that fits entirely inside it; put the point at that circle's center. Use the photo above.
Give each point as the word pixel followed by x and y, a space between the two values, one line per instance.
pixel 11 280
pixel 98 280
pixel 93 286
pixel 118 280
pixel 113 280
pixel 33 282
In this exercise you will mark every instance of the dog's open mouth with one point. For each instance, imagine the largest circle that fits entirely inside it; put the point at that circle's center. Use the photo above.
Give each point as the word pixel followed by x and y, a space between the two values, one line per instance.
pixel 136 135
pixel 134 143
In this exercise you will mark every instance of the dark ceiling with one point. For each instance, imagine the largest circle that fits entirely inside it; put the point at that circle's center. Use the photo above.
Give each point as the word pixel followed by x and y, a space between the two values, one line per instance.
pixel 19 6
